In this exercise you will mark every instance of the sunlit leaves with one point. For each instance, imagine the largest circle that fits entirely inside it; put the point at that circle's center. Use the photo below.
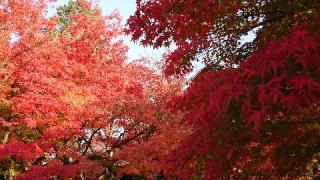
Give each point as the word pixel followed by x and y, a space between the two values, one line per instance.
pixel 70 103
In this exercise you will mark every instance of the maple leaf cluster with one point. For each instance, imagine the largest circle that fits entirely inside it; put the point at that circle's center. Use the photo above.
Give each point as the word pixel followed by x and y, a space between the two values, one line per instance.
pixel 212 31
pixel 257 110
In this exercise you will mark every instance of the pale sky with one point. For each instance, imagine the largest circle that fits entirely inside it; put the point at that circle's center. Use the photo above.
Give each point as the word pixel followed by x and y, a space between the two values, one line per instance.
pixel 126 8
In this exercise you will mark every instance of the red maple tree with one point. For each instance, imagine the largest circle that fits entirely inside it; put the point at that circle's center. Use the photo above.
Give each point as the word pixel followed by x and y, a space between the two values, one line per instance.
pixel 71 106
pixel 255 105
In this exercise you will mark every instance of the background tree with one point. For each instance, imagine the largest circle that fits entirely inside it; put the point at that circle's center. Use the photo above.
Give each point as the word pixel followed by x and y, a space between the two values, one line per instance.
pixel 70 103
pixel 254 107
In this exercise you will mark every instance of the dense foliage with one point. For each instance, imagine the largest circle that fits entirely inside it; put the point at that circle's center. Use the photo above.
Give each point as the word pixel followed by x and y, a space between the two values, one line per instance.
pixel 255 105
pixel 71 106
pixel 213 31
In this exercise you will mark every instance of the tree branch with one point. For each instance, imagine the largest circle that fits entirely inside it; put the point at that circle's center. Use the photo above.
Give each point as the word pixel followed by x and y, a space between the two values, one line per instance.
pixel 89 141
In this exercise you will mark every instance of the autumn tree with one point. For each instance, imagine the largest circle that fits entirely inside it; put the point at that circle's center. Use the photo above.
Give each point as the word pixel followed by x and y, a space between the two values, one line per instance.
pixel 31 65
pixel 255 105
pixel 71 106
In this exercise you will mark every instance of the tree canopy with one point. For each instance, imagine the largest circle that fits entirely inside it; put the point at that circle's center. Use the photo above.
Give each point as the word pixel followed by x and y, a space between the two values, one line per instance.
pixel 73 107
